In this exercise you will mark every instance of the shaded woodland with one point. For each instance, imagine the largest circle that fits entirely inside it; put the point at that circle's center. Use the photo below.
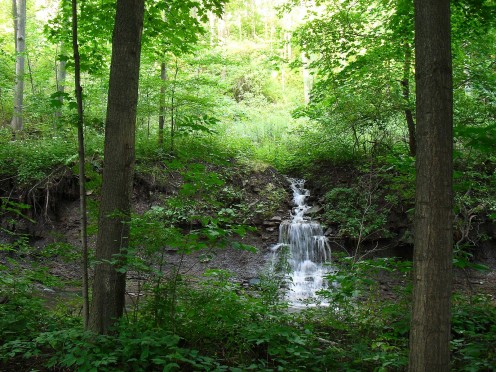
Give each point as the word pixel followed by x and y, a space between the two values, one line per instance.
pixel 144 164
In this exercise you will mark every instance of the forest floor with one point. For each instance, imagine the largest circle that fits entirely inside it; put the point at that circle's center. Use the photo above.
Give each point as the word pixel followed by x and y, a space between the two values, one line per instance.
pixel 62 225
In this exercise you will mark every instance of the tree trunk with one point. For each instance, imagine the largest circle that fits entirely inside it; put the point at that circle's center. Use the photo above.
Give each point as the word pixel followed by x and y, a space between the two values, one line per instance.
pixel 15 16
pixel 118 171
pixel 60 76
pixel 430 326
pixel 405 84
pixel 211 20
pixel 20 44
pixel 240 28
pixel 30 72
pixel 161 118
pixel 307 78
pixel 173 116
pixel 82 173
pixel 287 38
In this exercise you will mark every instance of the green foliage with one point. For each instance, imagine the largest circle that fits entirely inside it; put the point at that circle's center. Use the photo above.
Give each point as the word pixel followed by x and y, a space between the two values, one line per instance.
pixel 400 175
pixel 474 333
pixel 364 75
pixel 191 124
pixel 342 209
pixel 134 349
pixel 22 312
pixel 364 328
pixel 177 16
pixel 358 94
pixel 216 324
pixel 360 211
pixel 33 160
pixel 36 158
pixel 21 318
pixel 463 259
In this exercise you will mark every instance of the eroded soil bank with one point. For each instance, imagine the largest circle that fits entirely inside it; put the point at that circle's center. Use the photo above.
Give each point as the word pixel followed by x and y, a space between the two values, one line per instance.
pixel 41 222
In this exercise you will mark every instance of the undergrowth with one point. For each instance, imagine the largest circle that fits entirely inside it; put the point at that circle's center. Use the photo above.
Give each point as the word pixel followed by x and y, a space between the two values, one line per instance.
pixel 215 324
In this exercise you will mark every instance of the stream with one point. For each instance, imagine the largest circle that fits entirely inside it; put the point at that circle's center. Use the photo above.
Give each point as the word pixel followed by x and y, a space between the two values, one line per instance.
pixel 303 244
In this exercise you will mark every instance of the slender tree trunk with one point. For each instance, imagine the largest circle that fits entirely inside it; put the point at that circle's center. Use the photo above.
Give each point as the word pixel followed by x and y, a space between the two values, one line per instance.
pixel 266 28
pixel 221 30
pixel 147 115
pixel 405 84
pixel 15 16
pixel 283 57
pixel 253 21
pixel 113 234
pixel 307 78
pixel 430 327
pixel 272 33
pixel 173 111
pixel 20 43
pixel 60 76
pixel 211 20
pixel 30 72
pixel 82 174
pixel 161 118
pixel 287 38
pixel 240 28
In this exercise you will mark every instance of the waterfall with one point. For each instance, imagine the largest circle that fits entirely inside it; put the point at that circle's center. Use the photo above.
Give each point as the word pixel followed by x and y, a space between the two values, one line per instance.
pixel 307 247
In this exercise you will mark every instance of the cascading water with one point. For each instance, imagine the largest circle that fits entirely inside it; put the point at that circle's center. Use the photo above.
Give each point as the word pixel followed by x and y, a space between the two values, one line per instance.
pixel 307 247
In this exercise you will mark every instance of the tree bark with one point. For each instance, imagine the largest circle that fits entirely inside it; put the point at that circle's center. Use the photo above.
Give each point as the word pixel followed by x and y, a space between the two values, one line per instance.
pixel 211 20
pixel 118 171
pixel 82 173
pixel 307 78
pixel 173 116
pixel 60 76
pixel 30 73
pixel 16 22
pixel 430 326
pixel 20 44
pixel 161 118
pixel 405 84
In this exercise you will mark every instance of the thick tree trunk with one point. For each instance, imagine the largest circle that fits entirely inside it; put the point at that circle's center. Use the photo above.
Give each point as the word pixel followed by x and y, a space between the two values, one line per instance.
pixel 119 152
pixel 19 10
pixel 405 84
pixel 430 327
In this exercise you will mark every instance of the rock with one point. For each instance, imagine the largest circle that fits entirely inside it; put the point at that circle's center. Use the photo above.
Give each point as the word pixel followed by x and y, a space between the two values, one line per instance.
pixel 329 231
pixel 314 210
pixel 276 219
pixel 254 281
pixel 270 229
pixel 269 223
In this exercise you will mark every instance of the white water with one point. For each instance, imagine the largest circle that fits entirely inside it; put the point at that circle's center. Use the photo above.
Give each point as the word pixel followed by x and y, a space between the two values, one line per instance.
pixel 308 249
